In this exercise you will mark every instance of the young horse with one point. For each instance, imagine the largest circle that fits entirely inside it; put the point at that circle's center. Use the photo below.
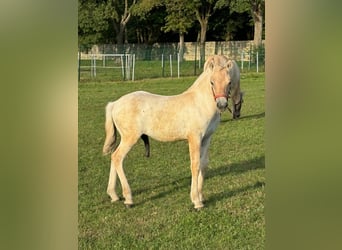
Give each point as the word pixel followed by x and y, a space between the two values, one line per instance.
pixel 192 115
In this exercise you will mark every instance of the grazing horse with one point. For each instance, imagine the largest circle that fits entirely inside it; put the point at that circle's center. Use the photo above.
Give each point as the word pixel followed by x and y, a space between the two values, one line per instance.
pixel 192 115
pixel 235 93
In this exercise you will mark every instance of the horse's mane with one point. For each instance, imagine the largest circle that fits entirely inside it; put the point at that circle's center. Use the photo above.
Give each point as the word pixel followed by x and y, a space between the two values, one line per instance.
pixel 199 80
pixel 215 63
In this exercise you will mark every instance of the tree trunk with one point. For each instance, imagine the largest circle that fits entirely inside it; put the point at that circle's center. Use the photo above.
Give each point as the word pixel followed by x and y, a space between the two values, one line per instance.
pixel 203 18
pixel 181 46
pixel 120 25
pixel 204 26
pixel 119 38
pixel 258 20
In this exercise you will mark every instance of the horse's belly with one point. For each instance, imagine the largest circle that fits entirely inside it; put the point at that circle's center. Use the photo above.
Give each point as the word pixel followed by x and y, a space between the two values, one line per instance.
pixel 180 129
pixel 165 132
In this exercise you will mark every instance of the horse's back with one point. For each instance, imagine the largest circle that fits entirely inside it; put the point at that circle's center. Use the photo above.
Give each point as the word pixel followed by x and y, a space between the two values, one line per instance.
pixel 137 97
pixel 138 102
pixel 131 105
pixel 234 73
pixel 136 112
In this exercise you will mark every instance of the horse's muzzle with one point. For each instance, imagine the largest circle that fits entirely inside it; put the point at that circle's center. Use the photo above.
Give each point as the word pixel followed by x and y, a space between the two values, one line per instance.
pixel 221 103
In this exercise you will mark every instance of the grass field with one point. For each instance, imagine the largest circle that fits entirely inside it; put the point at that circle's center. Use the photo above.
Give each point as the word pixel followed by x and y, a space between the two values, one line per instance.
pixel 163 216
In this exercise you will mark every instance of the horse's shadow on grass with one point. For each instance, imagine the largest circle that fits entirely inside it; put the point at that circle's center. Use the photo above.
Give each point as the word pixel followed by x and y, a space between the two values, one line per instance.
pixel 247 117
pixel 175 186
pixel 211 199
pixel 234 169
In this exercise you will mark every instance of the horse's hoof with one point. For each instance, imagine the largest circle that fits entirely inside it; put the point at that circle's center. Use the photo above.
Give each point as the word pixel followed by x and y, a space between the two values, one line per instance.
pixel 129 205
pixel 197 209
pixel 114 200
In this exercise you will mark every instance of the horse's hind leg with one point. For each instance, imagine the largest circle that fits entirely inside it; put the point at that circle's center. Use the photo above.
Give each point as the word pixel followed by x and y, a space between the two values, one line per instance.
pixel 112 183
pixel 117 160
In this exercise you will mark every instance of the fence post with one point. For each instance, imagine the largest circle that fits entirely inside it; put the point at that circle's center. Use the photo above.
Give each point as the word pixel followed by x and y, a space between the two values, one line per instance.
pixel 94 65
pixel 257 61
pixel 171 65
pixel 249 59
pixel 79 66
pixel 122 66
pixel 195 59
pixel 128 66
pixel 92 70
pixel 91 66
pixel 163 66
pixel 242 60
pixel 133 67
pixel 178 58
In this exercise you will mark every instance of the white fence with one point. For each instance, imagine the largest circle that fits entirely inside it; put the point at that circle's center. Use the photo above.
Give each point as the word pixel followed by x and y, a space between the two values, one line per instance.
pixel 138 63
pixel 123 62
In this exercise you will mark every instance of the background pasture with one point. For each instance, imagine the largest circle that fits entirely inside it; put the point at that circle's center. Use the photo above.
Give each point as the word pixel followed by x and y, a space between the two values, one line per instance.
pixel 163 216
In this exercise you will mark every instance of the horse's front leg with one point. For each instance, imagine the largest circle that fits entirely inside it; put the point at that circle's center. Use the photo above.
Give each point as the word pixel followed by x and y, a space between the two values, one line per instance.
pixel 194 149
pixel 204 161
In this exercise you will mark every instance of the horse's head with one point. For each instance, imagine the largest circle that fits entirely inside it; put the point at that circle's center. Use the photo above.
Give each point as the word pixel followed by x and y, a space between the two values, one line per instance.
pixel 219 68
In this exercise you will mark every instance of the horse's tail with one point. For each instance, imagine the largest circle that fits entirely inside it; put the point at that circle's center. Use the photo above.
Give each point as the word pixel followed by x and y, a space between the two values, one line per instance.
pixel 110 128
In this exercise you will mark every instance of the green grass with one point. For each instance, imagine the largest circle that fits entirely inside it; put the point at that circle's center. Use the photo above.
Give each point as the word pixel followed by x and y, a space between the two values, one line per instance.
pixel 163 216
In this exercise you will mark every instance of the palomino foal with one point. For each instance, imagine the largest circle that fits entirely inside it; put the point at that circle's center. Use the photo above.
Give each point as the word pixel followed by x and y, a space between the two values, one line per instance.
pixel 192 115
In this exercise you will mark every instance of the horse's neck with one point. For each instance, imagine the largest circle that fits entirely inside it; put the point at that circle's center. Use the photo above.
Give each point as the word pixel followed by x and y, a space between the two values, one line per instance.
pixel 203 95
pixel 201 84
pixel 236 94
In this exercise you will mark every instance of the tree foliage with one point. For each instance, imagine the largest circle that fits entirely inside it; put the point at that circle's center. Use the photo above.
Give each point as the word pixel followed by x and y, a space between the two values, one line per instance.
pixel 179 17
pixel 256 9
pixel 145 21
pixel 92 23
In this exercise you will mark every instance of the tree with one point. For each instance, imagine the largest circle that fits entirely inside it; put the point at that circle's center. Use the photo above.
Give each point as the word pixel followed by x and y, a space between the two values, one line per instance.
pixel 96 16
pixel 91 23
pixel 203 10
pixel 119 13
pixel 150 15
pixel 147 29
pixel 110 21
pixel 179 19
pixel 230 26
pixel 256 8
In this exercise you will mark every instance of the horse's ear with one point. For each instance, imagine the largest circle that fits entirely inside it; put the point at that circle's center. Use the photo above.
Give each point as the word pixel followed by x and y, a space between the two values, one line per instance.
pixel 230 64
pixel 209 64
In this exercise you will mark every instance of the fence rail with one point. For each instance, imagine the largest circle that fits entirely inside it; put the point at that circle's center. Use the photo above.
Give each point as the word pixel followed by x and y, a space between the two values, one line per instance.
pixel 163 61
